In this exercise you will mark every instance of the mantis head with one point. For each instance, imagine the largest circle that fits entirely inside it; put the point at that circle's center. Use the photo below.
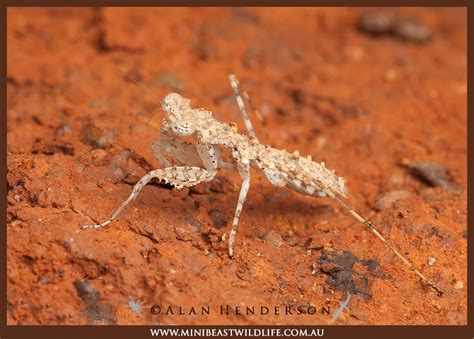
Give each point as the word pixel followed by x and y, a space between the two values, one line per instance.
pixel 179 114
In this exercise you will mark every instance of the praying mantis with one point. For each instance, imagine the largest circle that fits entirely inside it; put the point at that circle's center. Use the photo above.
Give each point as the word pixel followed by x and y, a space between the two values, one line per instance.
pixel 195 163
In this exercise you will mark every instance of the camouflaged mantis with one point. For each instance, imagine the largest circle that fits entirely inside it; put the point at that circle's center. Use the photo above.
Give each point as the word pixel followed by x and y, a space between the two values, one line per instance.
pixel 200 161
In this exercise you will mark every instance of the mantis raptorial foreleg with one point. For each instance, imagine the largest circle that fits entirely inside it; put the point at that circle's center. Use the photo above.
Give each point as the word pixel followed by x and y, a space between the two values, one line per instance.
pixel 181 152
pixel 179 177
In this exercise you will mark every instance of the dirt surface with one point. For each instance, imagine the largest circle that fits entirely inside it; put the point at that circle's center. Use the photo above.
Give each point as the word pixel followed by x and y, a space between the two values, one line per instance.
pixel 382 102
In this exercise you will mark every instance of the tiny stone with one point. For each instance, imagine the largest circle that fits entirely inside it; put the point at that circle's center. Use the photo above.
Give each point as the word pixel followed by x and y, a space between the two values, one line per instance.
pixel 60 147
pixel 274 238
pixel 281 282
pixel 96 137
pixel 432 174
pixel 376 23
pixel 459 285
pixel 431 261
pixel 63 129
pixel 315 244
pixel 411 29
pixel 182 234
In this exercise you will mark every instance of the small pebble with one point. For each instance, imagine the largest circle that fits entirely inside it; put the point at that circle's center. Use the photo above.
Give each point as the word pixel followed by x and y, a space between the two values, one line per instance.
pixel 431 261
pixel 432 174
pixel 281 282
pixel 376 23
pixel 96 137
pixel 63 129
pixel 411 29
pixel 57 147
pixel 273 238
pixel 459 285
pixel 398 26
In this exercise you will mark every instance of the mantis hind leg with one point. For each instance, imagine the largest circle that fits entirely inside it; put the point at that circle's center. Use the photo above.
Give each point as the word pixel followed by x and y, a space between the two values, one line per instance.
pixel 244 171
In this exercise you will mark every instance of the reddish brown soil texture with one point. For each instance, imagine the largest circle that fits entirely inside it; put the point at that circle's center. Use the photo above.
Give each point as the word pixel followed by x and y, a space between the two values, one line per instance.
pixel 79 138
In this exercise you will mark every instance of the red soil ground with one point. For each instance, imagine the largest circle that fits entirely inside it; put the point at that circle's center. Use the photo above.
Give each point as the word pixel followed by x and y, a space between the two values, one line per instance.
pixel 79 138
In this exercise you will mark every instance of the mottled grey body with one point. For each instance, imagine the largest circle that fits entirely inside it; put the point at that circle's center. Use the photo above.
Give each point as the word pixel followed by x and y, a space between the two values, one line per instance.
pixel 282 167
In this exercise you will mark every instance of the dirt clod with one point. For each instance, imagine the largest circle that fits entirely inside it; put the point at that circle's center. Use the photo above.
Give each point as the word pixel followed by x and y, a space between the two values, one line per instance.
pixel 87 292
pixel 94 311
pixel 273 238
pixel 432 174
pixel 218 218
pixel 96 137
pixel 63 147
pixel 343 273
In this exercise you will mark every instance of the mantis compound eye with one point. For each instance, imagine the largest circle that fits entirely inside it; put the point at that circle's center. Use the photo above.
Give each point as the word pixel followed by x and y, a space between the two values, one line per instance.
pixel 175 103
pixel 170 102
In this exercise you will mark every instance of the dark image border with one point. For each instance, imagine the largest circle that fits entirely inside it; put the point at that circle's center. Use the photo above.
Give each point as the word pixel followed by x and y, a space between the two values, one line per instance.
pixel 386 332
